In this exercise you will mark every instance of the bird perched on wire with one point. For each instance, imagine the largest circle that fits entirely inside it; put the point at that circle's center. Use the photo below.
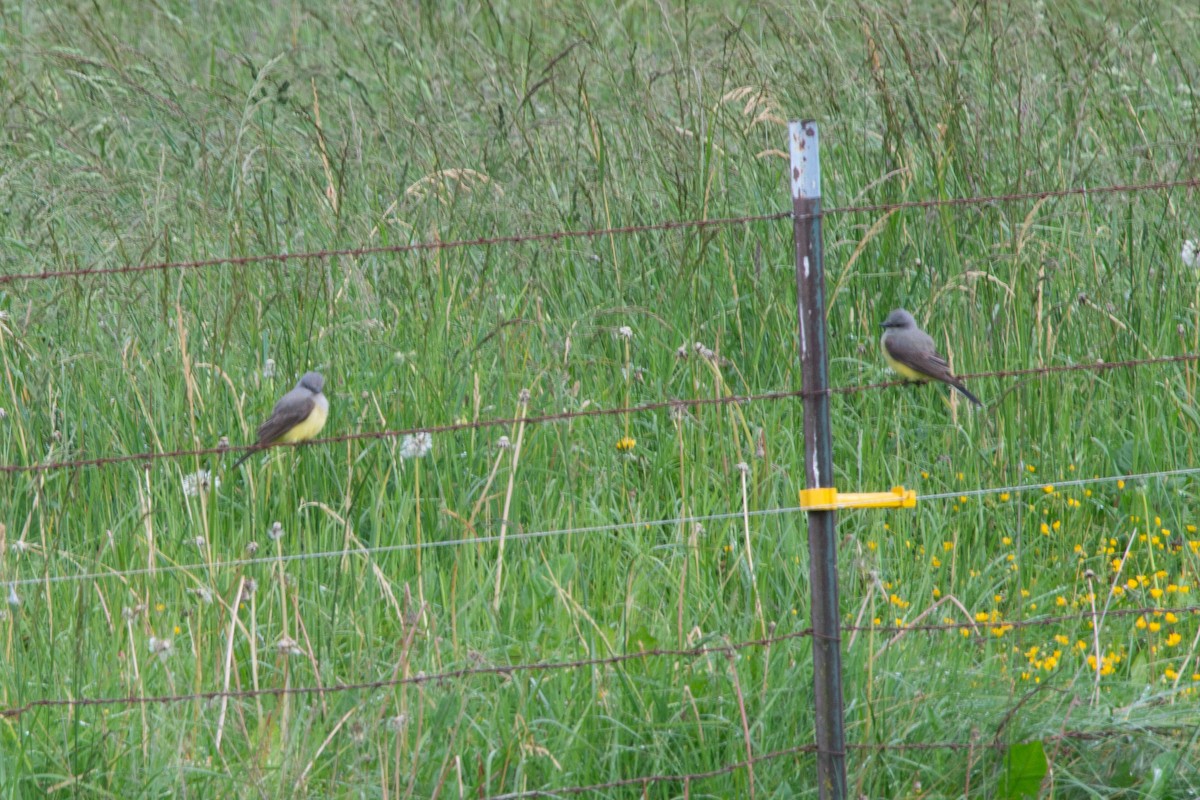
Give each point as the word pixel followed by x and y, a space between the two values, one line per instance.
pixel 911 353
pixel 299 415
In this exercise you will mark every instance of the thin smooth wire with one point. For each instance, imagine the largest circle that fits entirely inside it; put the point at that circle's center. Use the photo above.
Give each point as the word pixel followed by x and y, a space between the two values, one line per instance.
pixel 555 532
pixel 395 548
pixel 1041 487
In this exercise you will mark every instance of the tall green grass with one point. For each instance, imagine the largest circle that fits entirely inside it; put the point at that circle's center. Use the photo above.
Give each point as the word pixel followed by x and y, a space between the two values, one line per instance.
pixel 139 133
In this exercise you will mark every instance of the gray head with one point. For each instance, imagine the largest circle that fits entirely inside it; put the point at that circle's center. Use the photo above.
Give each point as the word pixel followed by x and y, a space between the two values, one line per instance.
pixel 899 319
pixel 313 381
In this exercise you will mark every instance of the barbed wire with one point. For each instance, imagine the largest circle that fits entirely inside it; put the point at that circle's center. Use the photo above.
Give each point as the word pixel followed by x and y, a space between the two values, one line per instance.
pixel 613 527
pixel 418 679
pixel 648 780
pixel 452 244
pixel 1028 622
pixel 147 457
pixel 727 649
pixel 488 241
pixel 808 749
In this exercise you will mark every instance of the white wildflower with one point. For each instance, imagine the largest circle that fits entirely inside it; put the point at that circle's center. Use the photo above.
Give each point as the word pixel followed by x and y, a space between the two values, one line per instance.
pixel 416 446
pixel 251 549
pixel 276 532
pixel 397 723
pixel 269 369
pixel 523 396
pixel 198 482
pixel 625 332
pixel 19 546
pixel 204 595
pixel 743 467
pixel 681 352
pixel 13 599
pixel 200 541
pixel 1191 253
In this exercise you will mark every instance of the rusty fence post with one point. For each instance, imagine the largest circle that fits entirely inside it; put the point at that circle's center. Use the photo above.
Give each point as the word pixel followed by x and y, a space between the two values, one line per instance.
pixel 818 459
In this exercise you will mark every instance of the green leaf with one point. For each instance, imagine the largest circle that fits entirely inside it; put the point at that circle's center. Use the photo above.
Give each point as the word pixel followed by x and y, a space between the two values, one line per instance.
pixel 1024 770
pixel 1162 769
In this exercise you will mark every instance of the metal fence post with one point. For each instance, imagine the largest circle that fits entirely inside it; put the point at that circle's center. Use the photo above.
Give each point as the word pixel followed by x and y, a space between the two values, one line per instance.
pixel 818 459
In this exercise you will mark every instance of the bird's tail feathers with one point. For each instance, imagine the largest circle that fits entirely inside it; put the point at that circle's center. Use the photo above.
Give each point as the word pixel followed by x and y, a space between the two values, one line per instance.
pixel 966 393
pixel 248 453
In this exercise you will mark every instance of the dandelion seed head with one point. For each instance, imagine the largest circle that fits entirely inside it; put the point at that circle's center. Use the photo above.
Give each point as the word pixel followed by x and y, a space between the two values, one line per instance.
pixel 524 397
pixel 251 549
pixel 223 443
pixel 397 723
pixel 286 646
pixel 503 443
pixel 161 647
pixel 199 542
pixel 199 481
pixel 276 531
pixel 416 445
pixel 681 352
pixel 743 467
pixel 625 332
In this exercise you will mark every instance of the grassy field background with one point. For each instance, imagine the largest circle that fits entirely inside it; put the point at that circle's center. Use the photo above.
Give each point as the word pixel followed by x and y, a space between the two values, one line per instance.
pixel 137 133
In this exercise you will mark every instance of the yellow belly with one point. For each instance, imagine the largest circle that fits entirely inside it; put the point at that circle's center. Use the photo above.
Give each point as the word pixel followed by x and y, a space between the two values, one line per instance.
pixel 311 426
pixel 903 370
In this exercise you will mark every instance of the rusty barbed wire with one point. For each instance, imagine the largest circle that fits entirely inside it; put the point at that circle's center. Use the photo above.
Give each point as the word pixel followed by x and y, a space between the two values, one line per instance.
pixel 488 241
pixel 419 678
pixel 147 457
pixel 1032 622
pixel 808 749
pixel 727 649
pixel 452 244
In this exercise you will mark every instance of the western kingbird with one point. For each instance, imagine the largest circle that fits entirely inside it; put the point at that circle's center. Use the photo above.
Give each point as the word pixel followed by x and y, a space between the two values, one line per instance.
pixel 300 414
pixel 911 353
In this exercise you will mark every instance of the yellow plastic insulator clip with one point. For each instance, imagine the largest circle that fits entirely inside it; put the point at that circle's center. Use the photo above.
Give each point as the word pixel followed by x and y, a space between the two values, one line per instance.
pixel 831 499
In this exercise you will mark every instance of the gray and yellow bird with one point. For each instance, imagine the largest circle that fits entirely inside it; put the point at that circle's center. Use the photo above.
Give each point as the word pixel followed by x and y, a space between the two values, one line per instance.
pixel 299 415
pixel 911 353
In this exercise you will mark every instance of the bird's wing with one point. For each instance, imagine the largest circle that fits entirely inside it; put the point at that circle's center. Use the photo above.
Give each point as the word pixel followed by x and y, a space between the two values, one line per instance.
pixel 292 409
pixel 914 352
